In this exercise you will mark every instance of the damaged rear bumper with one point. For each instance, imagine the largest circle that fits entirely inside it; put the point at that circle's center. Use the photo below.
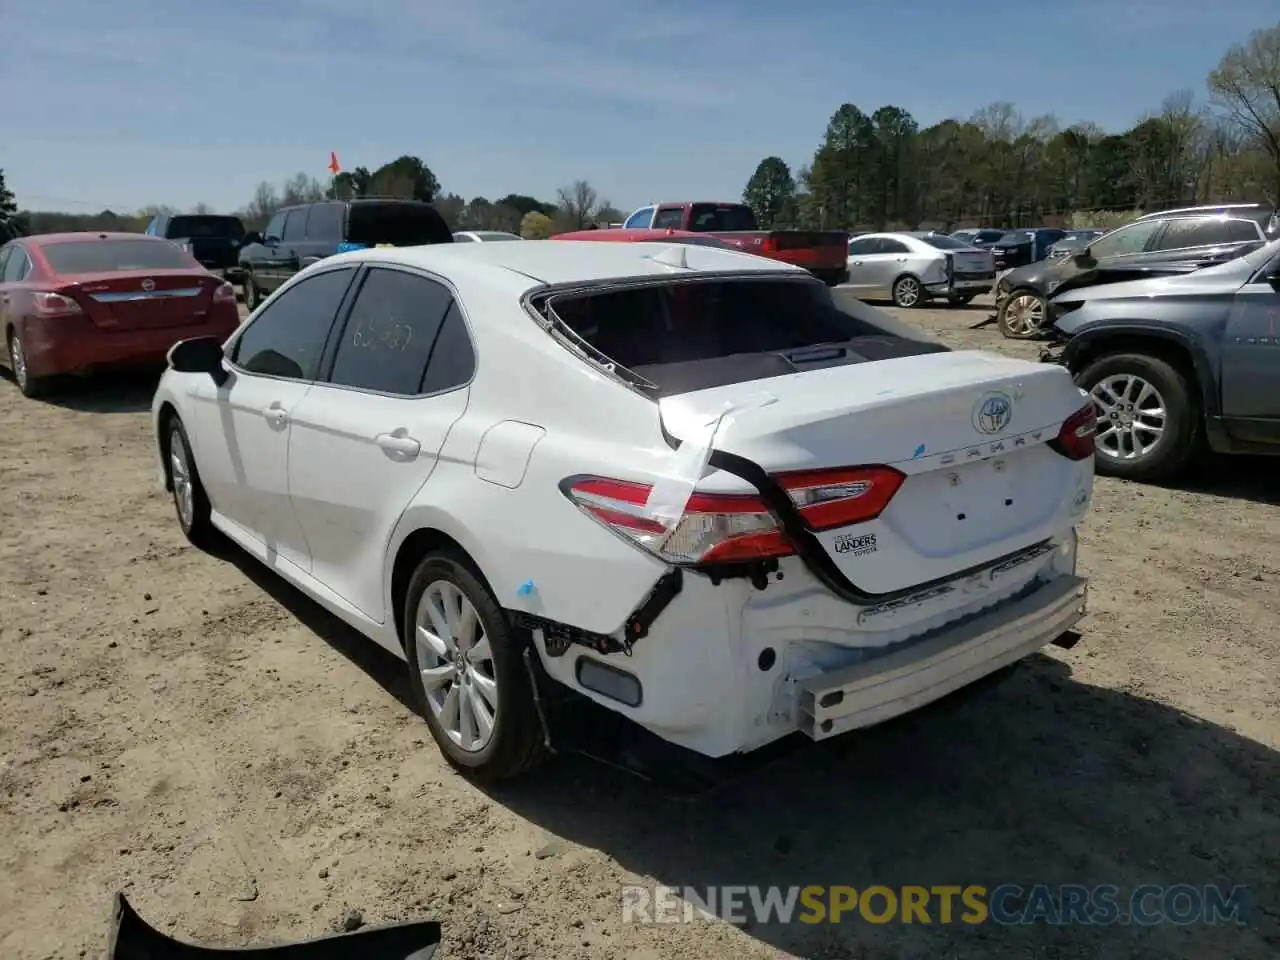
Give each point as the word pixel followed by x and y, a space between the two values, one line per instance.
pixel 868 693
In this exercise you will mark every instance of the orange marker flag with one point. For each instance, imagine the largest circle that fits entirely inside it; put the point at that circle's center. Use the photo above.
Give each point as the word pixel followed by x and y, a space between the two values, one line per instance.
pixel 333 163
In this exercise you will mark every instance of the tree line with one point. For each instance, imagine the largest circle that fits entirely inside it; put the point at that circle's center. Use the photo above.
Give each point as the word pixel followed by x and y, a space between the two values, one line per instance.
pixel 577 206
pixel 998 168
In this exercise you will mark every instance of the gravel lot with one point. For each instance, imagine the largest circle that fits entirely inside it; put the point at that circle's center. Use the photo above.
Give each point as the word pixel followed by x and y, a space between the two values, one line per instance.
pixel 184 728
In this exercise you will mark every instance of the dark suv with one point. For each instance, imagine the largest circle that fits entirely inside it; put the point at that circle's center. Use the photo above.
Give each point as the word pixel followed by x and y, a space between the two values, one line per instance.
pixel 298 236
pixel 1017 248
pixel 1169 242
pixel 213 239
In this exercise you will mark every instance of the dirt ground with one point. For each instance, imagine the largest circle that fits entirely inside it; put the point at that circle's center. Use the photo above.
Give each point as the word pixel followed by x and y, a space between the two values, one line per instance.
pixel 184 728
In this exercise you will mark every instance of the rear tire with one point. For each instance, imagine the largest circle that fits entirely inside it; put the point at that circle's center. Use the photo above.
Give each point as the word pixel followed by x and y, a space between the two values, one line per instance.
pixel 1126 388
pixel 480 671
pixel 29 385
pixel 907 292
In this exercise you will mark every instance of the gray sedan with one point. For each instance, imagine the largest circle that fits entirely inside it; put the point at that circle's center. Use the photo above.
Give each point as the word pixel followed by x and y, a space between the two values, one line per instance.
pixel 912 268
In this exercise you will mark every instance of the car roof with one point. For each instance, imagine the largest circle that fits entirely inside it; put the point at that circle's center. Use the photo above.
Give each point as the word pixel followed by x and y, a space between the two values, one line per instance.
pixel 42 239
pixel 521 266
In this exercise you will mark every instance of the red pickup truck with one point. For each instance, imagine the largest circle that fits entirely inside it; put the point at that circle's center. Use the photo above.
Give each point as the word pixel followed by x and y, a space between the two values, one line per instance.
pixel 824 253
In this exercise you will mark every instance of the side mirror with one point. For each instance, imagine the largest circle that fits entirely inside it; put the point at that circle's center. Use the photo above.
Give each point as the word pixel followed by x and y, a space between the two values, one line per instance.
pixel 253 236
pixel 199 355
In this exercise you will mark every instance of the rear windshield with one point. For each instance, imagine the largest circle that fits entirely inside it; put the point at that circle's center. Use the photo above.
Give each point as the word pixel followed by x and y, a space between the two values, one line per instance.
pixel 200 225
pixel 695 335
pixel 398 224
pixel 943 242
pixel 111 256
pixel 989 236
pixel 490 236
pixel 721 217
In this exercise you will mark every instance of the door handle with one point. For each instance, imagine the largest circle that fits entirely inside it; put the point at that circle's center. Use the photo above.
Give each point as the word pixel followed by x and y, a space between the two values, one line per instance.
pixel 902 259
pixel 399 443
pixel 857 263
pixel 276 414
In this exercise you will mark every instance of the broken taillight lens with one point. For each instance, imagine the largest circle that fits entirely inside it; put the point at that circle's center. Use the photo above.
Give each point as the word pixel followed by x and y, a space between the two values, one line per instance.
pixel 1076 439
pixel 727 528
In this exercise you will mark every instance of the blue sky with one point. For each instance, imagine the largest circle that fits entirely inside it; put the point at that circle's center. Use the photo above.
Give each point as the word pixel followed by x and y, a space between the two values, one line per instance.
pixel 132 102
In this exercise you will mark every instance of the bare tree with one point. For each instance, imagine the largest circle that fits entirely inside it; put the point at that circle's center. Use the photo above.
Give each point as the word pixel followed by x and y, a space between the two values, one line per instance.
pixel 1247 86
pixel 202 208
pixel 578 204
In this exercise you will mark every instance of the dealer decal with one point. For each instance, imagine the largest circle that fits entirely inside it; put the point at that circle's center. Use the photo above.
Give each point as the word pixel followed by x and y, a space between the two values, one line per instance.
pixel 858 546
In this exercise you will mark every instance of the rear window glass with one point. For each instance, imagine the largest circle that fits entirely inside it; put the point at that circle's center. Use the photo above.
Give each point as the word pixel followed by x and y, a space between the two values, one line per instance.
pixel 110 256
pixel 989 236
pixel 224 228
pixel 725 217
pixel 397 224
pixel 690 336
pixel 943 242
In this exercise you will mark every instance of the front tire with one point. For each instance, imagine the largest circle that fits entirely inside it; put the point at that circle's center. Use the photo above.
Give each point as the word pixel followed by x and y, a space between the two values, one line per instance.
pixel 907 292
pixel 467 673
pixel 1021 315
pixel 252 295
pixel 1149 424
pixel 190 502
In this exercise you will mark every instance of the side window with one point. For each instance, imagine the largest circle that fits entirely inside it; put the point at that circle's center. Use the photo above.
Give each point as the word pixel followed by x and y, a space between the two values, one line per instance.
pixel 287 339
pixel 463 238
pixel 669 218
pixel 389 336
pixel 17 266
pixel 295 225
pixel 324 222
pixel 863 246
pixel 1126 240
pixel 151 227
pixel 1241 231
pixel 888 245
pixel 4 258
pixel 452 361
pixel 640 219
pixel 275 229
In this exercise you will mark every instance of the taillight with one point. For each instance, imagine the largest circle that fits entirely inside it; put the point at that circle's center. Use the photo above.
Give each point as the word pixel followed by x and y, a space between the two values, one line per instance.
pixel 1076 438
pixel 225 293
pixel 727 528
pixel 54 305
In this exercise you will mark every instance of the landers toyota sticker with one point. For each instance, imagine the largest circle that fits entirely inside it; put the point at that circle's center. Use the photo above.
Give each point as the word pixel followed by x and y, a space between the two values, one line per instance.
pixel 858 546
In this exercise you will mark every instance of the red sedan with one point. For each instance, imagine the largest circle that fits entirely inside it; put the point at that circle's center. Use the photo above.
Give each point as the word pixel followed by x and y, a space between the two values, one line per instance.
pixel 76 302
pixel 641 235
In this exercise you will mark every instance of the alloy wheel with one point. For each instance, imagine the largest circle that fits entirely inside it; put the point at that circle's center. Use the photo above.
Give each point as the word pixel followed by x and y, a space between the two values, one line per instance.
pixel 457 666
pixel 1131 417
pixel 907 292
pixel 1024 314
pixel 184 497
pixel 18 361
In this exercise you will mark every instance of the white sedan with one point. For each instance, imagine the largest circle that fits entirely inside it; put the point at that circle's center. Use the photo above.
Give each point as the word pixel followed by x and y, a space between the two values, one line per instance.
pixel 484 236
pixel 682 481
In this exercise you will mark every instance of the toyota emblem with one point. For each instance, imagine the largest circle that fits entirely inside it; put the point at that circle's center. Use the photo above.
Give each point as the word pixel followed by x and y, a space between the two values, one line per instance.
pixel 148 285
pixel 992 413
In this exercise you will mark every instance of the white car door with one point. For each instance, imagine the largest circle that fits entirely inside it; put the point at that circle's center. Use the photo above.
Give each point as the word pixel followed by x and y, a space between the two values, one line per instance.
pixel 362 444
pixel 241 429
pixel 863 258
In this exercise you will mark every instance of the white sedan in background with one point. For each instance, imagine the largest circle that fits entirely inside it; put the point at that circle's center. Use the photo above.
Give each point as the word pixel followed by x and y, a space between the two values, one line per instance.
pixel 744 508
pixel 913 268
pixel 484 236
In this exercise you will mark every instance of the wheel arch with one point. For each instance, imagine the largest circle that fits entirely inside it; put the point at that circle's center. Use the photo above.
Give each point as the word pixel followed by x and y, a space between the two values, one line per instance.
pixel 165 416
pixel 419 543
pixel 1175 348
pixel 902 275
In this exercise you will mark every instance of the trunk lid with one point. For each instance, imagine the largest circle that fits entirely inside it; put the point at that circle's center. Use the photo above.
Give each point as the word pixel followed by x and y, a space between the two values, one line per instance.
pixel 969 430
pixel 973 261
pixel 804 248
pixel 142 300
